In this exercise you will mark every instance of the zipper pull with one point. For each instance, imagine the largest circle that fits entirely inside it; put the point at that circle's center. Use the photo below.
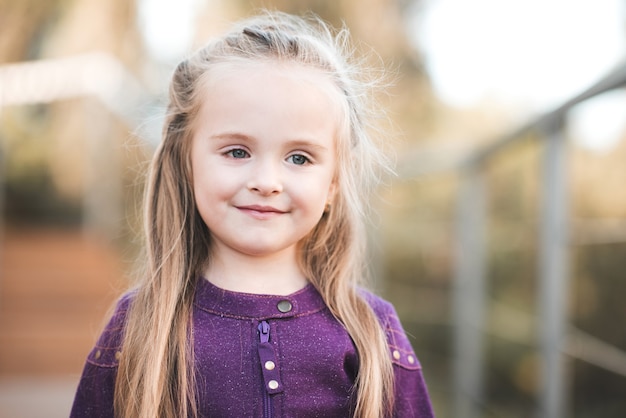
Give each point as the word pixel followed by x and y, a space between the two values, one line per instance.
pixel 264 331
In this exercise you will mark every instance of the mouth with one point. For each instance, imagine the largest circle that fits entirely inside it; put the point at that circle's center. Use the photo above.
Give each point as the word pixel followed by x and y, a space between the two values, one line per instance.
pixel 261 212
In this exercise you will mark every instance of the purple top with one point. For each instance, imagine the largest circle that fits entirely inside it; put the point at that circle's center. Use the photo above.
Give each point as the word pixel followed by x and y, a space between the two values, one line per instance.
pixel 265 356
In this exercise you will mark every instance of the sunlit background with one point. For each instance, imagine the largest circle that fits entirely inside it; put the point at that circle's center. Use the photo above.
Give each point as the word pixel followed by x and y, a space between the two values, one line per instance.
pixel 501 241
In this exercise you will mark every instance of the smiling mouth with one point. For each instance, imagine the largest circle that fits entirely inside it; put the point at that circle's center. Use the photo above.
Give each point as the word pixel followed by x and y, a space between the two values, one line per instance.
pixel 261 212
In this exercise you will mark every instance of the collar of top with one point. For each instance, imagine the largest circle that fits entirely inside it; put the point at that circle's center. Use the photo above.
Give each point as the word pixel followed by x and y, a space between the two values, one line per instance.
pixel 218 301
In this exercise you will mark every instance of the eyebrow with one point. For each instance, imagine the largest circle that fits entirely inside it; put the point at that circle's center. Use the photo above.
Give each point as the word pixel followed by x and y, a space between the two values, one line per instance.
pixel 230 136
pixel 306 144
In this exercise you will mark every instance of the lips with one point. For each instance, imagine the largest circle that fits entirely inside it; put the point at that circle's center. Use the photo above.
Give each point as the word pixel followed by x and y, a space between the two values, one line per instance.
pixel 261 212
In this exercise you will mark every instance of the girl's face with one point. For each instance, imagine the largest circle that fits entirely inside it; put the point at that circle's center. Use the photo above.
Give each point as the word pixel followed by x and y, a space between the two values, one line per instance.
pixel 264 156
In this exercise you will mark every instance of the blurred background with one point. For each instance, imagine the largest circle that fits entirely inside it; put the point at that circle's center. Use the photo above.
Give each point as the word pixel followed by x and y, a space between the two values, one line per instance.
pixel 501 241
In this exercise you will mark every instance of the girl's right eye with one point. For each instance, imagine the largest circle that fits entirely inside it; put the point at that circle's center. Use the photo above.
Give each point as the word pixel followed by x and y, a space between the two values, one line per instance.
pixel 237 153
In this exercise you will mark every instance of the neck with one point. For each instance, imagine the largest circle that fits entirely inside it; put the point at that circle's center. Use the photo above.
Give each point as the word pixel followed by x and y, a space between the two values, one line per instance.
pixel 277 274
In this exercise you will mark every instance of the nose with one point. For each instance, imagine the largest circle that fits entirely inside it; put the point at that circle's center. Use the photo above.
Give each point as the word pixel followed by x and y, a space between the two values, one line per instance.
pixel 266 178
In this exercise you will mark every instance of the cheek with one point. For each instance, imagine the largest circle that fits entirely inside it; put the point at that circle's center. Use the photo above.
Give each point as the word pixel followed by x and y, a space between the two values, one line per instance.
pixel 209 179
pixel 206 191
pixel 317 195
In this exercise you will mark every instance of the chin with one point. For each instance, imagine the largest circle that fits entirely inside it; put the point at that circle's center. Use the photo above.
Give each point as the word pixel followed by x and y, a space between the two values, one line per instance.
pixel 263 250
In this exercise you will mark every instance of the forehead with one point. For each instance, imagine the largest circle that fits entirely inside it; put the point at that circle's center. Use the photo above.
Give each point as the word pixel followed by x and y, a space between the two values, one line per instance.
pixel 240 71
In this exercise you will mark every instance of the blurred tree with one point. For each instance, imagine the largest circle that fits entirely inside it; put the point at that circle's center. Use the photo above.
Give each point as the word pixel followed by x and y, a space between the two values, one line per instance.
pixel 46 145
pixel 24 25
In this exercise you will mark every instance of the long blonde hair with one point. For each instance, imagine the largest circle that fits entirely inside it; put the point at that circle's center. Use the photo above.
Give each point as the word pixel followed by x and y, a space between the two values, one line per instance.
pixel 156 376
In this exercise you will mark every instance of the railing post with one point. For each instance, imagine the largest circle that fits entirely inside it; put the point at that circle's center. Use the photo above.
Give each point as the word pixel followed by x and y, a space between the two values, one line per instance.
pixel 3 187
pixel 469 289
pixel 553 273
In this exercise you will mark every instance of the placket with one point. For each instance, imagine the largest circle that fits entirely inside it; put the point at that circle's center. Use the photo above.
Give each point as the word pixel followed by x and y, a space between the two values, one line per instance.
pixel 270 369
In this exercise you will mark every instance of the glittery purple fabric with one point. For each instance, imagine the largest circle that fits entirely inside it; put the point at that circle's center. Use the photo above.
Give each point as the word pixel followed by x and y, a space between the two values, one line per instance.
pixel 262 355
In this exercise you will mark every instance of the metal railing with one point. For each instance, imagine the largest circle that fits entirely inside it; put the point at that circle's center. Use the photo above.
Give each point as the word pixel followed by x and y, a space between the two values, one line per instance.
pixel 553 267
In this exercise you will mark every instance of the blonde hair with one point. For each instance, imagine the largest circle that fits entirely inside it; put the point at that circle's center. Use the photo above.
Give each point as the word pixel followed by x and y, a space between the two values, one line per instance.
pixel 156 375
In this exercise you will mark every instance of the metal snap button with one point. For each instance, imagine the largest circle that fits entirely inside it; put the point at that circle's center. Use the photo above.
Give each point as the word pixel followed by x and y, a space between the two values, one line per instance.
pixel 284 306
pixel 272 384
pixel 269 365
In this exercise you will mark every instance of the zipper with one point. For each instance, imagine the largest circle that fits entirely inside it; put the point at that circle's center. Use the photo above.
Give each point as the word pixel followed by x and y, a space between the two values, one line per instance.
pixel 264 332
pixel 264 344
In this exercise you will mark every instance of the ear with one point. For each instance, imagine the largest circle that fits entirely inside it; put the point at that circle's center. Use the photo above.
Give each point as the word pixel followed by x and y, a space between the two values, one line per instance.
pixel 332 192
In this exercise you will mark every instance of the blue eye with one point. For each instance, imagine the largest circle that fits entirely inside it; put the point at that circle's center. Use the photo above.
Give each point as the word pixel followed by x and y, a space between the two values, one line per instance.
pixel 298 159
pixel 238 153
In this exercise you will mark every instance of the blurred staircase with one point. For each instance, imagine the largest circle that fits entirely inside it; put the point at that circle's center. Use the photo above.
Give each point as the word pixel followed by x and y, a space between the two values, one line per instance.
pixel 56 287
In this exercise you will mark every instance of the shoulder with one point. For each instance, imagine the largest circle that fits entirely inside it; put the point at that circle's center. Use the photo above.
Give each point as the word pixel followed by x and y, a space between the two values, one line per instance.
pixel 106 351
pixel 400 348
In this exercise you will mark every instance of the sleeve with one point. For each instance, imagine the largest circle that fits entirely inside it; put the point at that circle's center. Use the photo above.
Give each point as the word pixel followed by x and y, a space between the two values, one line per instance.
pixel 411 394
pixel 94 395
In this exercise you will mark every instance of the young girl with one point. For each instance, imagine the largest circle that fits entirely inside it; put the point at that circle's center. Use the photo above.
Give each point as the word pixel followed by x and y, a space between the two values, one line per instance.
pixel 249 305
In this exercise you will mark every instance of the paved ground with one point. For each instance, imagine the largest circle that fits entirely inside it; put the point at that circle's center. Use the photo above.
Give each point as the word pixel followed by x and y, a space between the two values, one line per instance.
pixel 25 397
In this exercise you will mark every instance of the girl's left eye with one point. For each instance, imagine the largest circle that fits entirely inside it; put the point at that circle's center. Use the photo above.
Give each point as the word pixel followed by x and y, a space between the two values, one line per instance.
pixel 298 159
